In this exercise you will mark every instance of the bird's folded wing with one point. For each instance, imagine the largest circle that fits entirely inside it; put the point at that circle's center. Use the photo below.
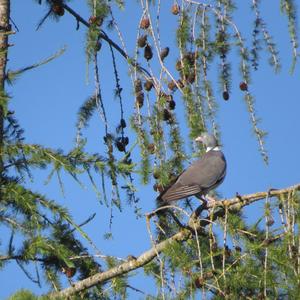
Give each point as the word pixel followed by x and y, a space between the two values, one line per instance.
pixel 205 173
pixel 177 192
pixel 202 176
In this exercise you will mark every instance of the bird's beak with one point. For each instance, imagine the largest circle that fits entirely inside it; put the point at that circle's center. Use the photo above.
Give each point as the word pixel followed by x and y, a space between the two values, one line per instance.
pixel 199 139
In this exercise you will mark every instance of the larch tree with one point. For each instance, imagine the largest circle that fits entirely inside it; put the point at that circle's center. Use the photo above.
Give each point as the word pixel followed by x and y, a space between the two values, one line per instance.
pixel 206 250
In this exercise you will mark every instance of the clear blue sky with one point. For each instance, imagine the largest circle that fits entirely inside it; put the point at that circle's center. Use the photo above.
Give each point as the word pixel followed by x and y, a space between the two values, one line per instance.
pixel 46 101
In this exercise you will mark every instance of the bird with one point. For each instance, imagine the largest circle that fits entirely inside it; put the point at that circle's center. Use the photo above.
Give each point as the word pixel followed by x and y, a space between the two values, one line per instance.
pixel 201 176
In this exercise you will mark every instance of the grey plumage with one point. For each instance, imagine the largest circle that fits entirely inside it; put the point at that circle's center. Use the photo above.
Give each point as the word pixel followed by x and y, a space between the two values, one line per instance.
pixel 201 176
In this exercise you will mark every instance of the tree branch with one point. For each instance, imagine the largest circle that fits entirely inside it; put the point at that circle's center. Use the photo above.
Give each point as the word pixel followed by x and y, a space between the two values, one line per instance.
pixel 102 34
pixel 241 201
pixel 105 37
pixel 22 258
pixel 233 204
pixel 4 28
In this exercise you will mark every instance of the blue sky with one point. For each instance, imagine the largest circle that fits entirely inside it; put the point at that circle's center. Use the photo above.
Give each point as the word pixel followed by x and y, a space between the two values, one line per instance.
pixel 46 101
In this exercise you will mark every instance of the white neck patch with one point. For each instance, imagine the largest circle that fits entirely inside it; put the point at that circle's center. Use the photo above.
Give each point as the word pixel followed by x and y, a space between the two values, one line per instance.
pixel 217 148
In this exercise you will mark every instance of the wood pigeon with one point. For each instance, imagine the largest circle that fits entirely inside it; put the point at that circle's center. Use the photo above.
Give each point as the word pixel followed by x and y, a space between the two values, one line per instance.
pixel 201 176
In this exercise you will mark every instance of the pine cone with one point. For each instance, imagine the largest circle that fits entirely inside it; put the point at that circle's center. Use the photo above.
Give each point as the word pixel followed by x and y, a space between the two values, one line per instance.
pixel 142 41
pixel 58 9
pixel 164 53
pixel 145 23
pixel 148 52
pixel 175 9
pixel 148 85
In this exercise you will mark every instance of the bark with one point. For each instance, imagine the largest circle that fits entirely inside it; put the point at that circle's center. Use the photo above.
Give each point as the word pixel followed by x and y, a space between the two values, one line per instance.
pixel 233 204
pixel 4 29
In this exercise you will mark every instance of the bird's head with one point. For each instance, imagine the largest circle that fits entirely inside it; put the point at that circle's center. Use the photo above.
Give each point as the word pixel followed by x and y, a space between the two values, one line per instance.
pixel 208 140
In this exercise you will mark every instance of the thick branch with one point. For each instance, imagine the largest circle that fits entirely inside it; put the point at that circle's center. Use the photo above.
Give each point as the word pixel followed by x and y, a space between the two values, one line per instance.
pixel 123 268
pixel 241 201
pixel 236 203
pixel 4 28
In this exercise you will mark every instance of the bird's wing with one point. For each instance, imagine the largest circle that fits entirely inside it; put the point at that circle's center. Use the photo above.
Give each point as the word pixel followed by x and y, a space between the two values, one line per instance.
pixel 176 192
pixel 202 176
pixel 206 172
